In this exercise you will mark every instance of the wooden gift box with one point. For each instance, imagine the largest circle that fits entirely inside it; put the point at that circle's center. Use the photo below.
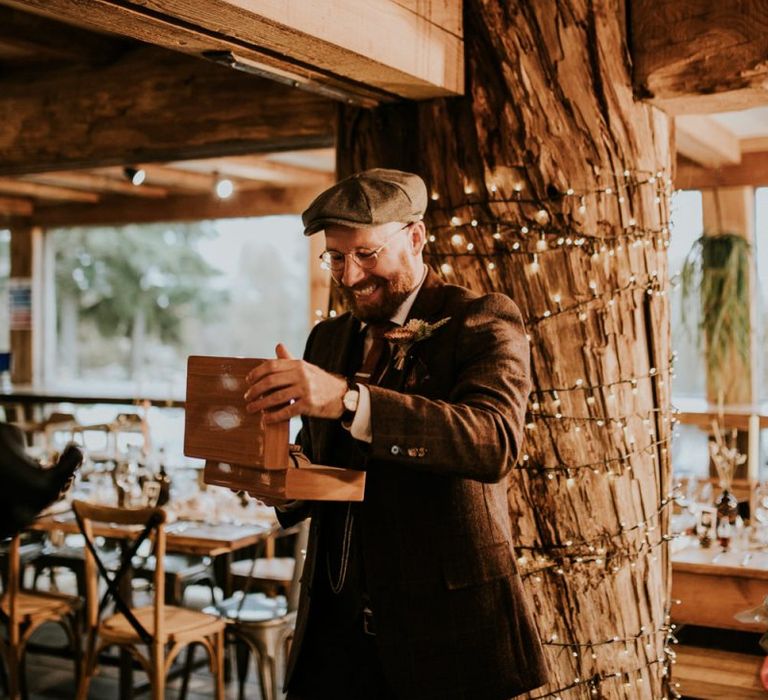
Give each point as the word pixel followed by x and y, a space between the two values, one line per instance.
pixel 244 453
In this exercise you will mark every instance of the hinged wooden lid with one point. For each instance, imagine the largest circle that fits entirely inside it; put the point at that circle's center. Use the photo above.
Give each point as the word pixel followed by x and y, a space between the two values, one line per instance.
pixel 216 424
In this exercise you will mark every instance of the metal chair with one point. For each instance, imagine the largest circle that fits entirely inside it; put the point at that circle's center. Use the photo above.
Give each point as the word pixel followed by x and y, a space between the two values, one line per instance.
pixel 23 612
pixel 264 626
pixel 164 630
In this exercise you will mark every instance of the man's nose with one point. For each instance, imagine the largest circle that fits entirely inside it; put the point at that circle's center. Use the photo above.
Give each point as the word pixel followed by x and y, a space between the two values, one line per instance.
pixel 352 272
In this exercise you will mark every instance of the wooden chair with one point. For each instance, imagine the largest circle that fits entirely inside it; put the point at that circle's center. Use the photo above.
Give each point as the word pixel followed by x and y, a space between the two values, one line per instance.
pixel 264 626
pixel 268 573
pixel 23 612
pixel 163 630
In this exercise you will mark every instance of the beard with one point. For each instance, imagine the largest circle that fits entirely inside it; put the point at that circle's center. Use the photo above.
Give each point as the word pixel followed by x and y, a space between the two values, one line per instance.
pixel 393 292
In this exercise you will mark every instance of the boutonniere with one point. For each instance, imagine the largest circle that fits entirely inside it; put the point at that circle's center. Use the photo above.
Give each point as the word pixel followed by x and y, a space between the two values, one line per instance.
pixel 404 337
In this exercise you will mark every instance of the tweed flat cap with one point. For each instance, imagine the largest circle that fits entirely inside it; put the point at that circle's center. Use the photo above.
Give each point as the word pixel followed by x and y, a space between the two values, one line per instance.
pixel 368 199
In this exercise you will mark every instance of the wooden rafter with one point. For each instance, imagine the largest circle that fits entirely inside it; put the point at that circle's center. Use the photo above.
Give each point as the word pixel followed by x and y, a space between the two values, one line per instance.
pixel 15 207
pixel 706 141
pixel 256 168
pixel 700 56
pixel 751 172
pixel 97 183
pixel 343 53
pixel 152 106
pixel 44 191
pixel 266 201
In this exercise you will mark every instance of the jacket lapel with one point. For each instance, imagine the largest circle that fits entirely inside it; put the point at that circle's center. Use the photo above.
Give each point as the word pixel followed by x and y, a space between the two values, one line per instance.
pixel 427 306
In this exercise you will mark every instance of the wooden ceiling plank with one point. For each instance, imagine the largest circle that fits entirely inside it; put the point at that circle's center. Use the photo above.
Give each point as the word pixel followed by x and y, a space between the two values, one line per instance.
pixel 255 168
pixel 169 177
pixel 98 183
pixel 754 144
pixel 167 32
pixel 117 211
pixel 40 191
pixel 152 106
pixel 13 206
pixel 706 141
pixel 348 38
pixel 700 56
pixel 43 39
pixel 751 172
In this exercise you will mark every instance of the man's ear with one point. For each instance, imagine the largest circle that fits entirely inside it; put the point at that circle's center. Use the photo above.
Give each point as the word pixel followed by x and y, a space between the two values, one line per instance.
pixel 418 237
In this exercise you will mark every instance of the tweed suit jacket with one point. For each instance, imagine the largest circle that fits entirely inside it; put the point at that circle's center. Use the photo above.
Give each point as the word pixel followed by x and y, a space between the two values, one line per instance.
pixel 435 526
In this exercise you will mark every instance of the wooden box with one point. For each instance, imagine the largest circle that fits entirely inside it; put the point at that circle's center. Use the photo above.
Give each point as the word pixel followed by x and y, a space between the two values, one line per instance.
pixel 244 453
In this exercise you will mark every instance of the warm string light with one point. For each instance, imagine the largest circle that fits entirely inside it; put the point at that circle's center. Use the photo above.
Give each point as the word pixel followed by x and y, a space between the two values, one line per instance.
pixel 596 680
pixel 592 544
pixel 581 385
pixel 616 639
pixel 527 464
pixel 650 287
pixel 632 179
pixel 539 244
pixel 620 421
pixel 562 563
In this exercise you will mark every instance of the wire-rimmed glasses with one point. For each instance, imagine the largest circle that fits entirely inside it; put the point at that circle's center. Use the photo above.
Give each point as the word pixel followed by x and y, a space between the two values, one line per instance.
pixel 335 260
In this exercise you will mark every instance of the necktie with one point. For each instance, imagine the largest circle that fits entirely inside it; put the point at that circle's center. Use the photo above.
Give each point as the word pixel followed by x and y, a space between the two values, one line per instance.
pixel 378 355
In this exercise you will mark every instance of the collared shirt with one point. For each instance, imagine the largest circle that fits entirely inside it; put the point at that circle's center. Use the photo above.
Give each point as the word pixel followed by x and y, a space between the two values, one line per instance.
pixel 361 424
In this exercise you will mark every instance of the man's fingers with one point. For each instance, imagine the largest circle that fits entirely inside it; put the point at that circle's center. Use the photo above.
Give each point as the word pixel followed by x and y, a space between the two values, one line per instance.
pixel 270 383
pixel 282 352
pixel 275 398
pixel 286 413
pixel 268 367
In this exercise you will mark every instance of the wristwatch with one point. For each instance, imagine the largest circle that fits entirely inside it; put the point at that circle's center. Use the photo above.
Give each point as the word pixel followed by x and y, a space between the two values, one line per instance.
pixel 349 401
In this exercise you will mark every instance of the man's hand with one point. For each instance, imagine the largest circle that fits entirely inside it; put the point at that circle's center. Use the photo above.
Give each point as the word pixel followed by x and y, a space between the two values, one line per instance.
pixel 287 387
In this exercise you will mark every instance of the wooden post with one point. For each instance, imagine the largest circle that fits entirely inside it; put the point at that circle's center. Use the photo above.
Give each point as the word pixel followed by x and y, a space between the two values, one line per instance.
pixel 549 182
pixel 24 241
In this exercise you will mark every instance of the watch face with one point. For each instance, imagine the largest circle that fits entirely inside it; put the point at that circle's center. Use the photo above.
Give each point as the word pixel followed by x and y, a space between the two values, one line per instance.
pixel 350 399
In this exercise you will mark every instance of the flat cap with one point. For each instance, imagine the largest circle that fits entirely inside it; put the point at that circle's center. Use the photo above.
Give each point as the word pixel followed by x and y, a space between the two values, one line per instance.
pixel 368 199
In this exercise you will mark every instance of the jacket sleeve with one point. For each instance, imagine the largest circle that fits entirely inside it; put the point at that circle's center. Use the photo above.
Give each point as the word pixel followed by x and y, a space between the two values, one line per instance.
pixel 476 432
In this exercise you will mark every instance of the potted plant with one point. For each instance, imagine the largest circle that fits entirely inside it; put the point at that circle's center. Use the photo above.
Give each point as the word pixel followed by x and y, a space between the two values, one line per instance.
pixel 716 280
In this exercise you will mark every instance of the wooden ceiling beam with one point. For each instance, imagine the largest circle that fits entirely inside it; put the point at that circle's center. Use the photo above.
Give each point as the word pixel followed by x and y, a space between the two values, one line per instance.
pixel 706 141
pixel 116 211
pixel 257 169
pixel 38 39
pixel 169 177
pixel 217 41
pixel 15 207
pixel 43 191
pixel 98 183
pixel 152 106
pixel 699 56
pixel 752 171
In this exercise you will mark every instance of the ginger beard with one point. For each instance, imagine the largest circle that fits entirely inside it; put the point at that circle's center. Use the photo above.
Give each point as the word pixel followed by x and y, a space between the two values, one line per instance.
pixel 376 298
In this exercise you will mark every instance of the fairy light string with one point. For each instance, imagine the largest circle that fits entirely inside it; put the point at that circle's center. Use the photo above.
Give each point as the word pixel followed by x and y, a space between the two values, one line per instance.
pixel 496 236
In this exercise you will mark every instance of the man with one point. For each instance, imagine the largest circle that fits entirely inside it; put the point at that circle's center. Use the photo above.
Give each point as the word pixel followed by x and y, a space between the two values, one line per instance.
pixel 412 593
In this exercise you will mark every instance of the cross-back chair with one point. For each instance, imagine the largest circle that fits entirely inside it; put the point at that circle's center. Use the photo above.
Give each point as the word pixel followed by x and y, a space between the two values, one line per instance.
pixel 161 630
pixel 23 612
pixel 264 626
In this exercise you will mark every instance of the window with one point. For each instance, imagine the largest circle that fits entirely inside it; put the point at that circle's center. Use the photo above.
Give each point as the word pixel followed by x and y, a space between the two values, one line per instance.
pixel 686 226
pixel 131 303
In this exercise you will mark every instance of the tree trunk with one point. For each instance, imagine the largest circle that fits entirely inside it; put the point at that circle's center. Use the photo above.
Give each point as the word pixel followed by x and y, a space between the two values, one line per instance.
pixel 544 186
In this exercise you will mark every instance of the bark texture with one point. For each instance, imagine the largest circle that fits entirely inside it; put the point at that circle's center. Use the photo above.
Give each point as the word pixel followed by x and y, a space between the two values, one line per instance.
pixel 535 155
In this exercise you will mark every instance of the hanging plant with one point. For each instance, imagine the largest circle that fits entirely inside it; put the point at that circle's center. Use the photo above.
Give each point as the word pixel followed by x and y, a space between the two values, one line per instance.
pixel 716 275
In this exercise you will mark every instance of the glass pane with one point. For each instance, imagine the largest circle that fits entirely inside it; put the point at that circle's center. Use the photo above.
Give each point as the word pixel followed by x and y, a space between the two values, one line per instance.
pixel 131 303
pixel 686 226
